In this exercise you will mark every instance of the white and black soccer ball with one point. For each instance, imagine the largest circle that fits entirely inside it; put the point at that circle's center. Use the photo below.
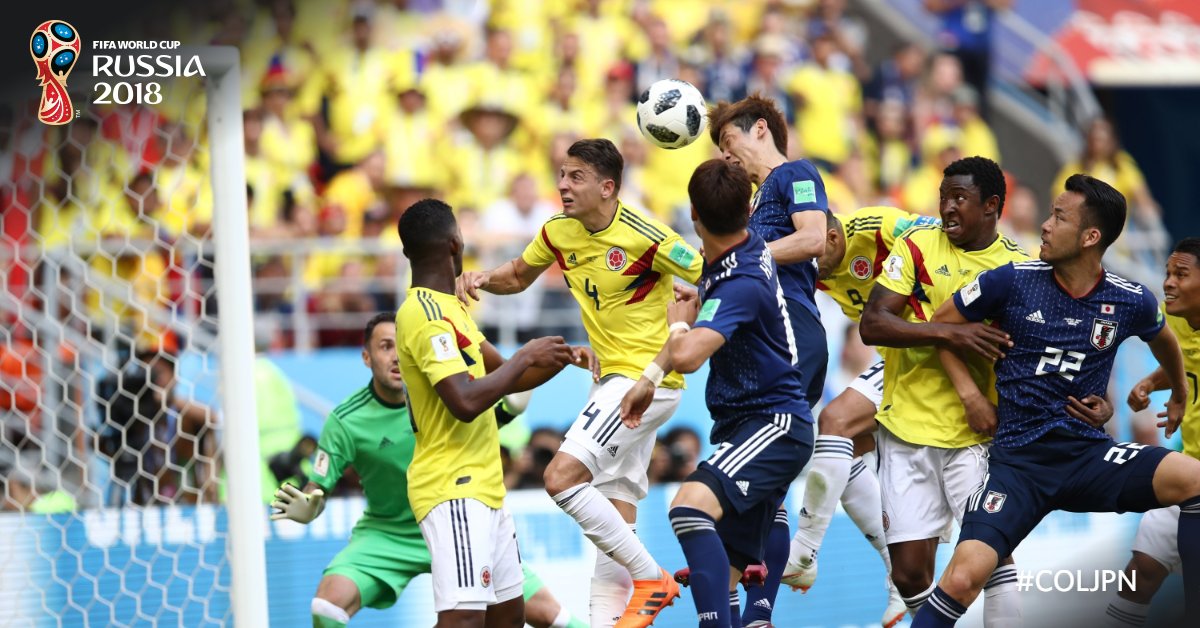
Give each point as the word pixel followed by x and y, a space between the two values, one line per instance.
pixel 671 113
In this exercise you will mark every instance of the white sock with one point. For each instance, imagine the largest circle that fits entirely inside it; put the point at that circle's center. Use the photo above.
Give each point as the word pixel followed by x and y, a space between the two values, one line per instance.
pixel 612 587
pixel 605 528
pixel 563 619
pixel 325 608
pixel 915 602
pixel 1001 602
pixel 828 474
pixel 863 503
pixel 1123 613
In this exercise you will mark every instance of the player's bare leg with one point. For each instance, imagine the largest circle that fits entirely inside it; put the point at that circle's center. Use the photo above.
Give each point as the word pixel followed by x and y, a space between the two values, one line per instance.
pixel 336 601
pixel 608 525
pixel 510 614
pixel 969 569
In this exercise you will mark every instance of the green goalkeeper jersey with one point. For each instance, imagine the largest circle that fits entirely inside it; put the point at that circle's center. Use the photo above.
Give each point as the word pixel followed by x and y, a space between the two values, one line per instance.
pixel 375 437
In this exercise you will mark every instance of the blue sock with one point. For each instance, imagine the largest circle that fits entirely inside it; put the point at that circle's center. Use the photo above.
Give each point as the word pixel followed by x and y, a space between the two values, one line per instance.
pixel 1189 555
pixel 706 557
pixel 939 611
pixel 760 601
pixel 735 611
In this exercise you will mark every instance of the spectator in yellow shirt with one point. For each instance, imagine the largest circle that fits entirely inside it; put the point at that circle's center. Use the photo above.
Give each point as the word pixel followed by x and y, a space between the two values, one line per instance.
pixel 828 101
pixel 977 136
pixel 289 143
pixel 481 160
pixel 939 148
pixel 410 140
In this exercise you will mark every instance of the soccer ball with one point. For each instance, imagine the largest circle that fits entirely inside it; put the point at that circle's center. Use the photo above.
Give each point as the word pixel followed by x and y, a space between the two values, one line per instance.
pixel 671 113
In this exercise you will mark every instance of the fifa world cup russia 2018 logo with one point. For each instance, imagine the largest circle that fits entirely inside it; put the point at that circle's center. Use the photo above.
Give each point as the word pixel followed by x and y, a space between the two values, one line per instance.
pixel 55 49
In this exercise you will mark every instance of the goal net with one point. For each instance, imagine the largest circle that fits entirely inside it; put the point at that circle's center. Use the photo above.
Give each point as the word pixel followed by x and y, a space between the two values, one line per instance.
pixel 114 441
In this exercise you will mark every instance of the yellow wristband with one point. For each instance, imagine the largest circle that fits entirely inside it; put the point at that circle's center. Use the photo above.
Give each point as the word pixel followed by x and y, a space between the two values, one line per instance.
pixel 654 373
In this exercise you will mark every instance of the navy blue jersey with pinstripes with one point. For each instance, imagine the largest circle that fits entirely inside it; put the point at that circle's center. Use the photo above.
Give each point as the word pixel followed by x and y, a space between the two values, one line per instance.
pixel 792 187
pixel 1062 345
pixel 755 373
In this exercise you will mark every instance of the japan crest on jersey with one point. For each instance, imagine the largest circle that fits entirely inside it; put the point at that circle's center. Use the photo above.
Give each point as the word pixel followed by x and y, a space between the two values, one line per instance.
pixel 1103 333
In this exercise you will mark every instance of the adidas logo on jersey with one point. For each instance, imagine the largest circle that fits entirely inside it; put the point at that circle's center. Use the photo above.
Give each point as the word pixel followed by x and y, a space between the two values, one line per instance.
pixel 743 486
pixel 1036 317
pixel 386 442
pixel 612 451
pixel 943 271
pixel 764 603
pixel 571 259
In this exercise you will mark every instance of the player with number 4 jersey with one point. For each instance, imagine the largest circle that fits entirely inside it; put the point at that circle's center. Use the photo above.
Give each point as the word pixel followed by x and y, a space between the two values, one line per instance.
pixel 620 266
pixel 1065 316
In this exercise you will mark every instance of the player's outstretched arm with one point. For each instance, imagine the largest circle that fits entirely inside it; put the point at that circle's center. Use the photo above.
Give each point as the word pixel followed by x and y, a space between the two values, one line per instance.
pixel 981 414
pixel 536 376
pixel 882 326
pixel 301 507
pixel 1165 348
pixel 509 278
pixel 467 399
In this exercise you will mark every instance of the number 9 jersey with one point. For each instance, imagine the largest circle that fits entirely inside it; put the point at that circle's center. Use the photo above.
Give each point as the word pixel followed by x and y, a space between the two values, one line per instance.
pixel 869 233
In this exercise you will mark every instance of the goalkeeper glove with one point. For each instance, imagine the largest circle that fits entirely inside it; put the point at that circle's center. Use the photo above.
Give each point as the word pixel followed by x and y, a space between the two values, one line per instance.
pixel 300 507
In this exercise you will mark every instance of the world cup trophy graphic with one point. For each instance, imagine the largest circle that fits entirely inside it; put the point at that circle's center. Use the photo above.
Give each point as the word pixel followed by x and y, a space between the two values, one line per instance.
pixel 55 48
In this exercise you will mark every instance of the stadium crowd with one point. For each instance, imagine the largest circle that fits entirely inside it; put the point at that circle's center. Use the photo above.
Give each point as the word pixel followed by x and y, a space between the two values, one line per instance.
pixel 354 110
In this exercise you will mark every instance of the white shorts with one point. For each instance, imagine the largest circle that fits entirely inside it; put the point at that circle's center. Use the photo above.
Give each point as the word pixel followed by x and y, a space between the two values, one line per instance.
pixel 617 456
pixel 1158 536
pixel 925 489
pixel 473 554
pixel 870 384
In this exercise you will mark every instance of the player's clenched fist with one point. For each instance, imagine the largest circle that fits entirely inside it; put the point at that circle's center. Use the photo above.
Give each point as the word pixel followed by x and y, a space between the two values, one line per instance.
pixel 469 283
pixel 291 503
pixel 683 311
pixel 548 352
pixel 1139 397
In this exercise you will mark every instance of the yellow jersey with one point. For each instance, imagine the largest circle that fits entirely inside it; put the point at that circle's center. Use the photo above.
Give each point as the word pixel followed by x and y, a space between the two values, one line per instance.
pixel 436 338
pixel 1189 342
pixel 869 233
pixel 617 276
pixel 920 404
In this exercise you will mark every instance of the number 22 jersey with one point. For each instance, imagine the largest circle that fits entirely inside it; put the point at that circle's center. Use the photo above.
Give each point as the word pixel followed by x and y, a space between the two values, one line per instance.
pixel 1062 345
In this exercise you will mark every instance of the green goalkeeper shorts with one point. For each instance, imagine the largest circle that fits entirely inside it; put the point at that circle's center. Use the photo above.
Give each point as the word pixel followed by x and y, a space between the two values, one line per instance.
pixel 381 564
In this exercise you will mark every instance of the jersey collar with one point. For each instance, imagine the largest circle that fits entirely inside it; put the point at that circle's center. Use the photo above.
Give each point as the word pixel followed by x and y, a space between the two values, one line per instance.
pixel 381 401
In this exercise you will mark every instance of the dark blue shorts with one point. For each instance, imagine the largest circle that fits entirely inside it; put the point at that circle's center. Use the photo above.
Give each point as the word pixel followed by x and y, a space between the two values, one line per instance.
pixel 1058 471
pixel 811 349
pixel 750 474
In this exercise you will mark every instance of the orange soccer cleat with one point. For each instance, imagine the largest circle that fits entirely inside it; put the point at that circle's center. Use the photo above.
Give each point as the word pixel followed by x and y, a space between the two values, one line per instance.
pixel 649 598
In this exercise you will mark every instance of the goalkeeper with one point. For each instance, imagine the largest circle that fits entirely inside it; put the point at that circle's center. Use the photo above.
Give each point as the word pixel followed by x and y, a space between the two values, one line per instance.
pixel 371 431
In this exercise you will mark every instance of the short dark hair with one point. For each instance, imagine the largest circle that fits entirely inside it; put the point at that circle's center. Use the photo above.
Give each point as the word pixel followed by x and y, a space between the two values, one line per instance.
pixel 602 155
pixel 1189 246
pixel 424 224
pixel 377 320
pixel 1105 206
pixel 720 193
pixel 744 113
pixel 985 174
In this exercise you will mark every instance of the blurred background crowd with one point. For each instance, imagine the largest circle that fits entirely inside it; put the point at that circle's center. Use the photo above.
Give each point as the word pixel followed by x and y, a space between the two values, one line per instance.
pixel 353 110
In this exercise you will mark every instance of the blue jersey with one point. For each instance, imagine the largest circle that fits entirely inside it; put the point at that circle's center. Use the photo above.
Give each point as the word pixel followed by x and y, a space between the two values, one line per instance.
pixel 755 372
pixel 1062 346
pixel 795 186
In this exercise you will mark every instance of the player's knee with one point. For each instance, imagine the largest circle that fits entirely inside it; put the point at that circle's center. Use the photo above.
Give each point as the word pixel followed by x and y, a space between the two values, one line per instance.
pixel 911 580
pixel 562 473
pixel 326 613
pixel 961 585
